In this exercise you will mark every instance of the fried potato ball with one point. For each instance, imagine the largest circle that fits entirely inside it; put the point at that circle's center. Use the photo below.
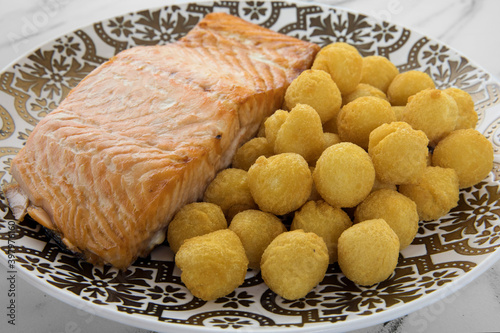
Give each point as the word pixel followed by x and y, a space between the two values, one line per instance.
pixel 398 111
pixel 433 112
pixel 362 90
pixel 301 133
pixel 344 175
pixel 378 185
pixel 408 84
pixel 212 265
pixel 281 183
pixel 466 151
pixel 316 89
pixel 230 191
pixel 330 126
pixel 399 153
pixel 378 71
pixel 467 116
pixel 330 139
pixel 294 263
pixel 357 119
pixel 248 153
pixel 325 221
pixel 256 230
pixel 343 64
pixel 341 45
pixel 195 219
pixel 273 124
pixel 396 209
pixel 368 252
pixel 435 194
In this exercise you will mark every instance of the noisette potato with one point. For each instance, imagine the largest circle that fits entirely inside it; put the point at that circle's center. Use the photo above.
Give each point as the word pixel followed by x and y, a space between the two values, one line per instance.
pixel 368 252
pixel 344 175
pixel 408 84
pixel 301 133
pixel 399 153
pixel 325 221
pixel 316 89
pixel 343 64
pixel 396 209
pixel 398 111
pixel 195 219
pixel 378 71
pixel 330 139
pixel 256 230
pixel 468 152
pixel 357 119
pixel 433 112
pixel 230 191
pixel 467 116
pixel 281 183
pixel 294 263
pixel 248 153
pixel 341 45
pixel 435 194
pixel 212 265
pixel 361 90
pixel 273 124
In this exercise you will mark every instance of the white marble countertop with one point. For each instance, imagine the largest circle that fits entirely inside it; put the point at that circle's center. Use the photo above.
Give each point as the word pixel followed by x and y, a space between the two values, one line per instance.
pixel 470 26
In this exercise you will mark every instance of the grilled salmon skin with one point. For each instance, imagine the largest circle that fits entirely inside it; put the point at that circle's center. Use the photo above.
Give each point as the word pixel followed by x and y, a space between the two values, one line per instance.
pixel 145 132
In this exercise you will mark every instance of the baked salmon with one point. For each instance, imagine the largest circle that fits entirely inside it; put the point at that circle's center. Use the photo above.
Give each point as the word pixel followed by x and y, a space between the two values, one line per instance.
pixel 144 133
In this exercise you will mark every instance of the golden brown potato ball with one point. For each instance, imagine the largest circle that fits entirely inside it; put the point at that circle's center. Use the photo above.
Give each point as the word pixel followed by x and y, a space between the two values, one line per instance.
pixel 301 133
pixel 212 265
pixel 343 64
pixel 341 45
pixel 230 191
pixel 466 151
pixel 396 209
pixel 294 263
pixel 325 221
pixel 362 90
pixel 195 219
pixel 344 175
pixel 398 111
pixel 256 230
pixel 316 89
pixel 378 185
pixel 330 126
pixel 272 125
pixel 357 119
pixel 248 153
pixel 368 252
pixel 281 183
pixel 435 194
pixel 330 139
pixel 378 71
pixel 408 84
pixel 261 133
pixel 433 112
pixel 467 116
pixel 399 153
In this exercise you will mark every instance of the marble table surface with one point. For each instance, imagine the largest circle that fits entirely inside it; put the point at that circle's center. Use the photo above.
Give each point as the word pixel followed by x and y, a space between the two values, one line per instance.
pixel 470 26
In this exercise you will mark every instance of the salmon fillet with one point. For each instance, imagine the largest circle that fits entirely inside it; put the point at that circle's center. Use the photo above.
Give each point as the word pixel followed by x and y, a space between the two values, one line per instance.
pixel 145 132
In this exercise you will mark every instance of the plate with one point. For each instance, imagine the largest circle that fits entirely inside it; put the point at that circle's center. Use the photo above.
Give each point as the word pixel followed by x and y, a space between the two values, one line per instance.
pixel 445 255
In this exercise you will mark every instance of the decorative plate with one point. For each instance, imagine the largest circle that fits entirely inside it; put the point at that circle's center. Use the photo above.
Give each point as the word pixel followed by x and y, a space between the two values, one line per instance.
pixel 445 255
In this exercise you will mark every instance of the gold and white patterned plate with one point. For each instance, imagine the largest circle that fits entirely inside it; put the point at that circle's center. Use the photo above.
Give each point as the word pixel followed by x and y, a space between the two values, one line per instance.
pixel 445 256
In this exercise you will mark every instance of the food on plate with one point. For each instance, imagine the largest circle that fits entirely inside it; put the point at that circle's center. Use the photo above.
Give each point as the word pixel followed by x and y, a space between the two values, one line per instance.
pixel 378 185
pixel 281 183
pixel 432 111
pixel 399 153
pixel 361 90
pixel 273 124
pixel 194 219
pixel 407 84
pixel 398 111
pixel 396 209
pixel 145 133
pixel 247 154
pixel 357 119
pixel 294 263
pixel 301 133
pixel 344 175
pixel 212 265
pixel 316 89
pixel 368 252
pixel 343 64
pixel 330 139
pixel 330 126
pixel 341 45
pixel 325 221
pixel 256 230
pixel 229 190
pixel 466 151
pixel 467 116
pixel 435 193
pixel 378 72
